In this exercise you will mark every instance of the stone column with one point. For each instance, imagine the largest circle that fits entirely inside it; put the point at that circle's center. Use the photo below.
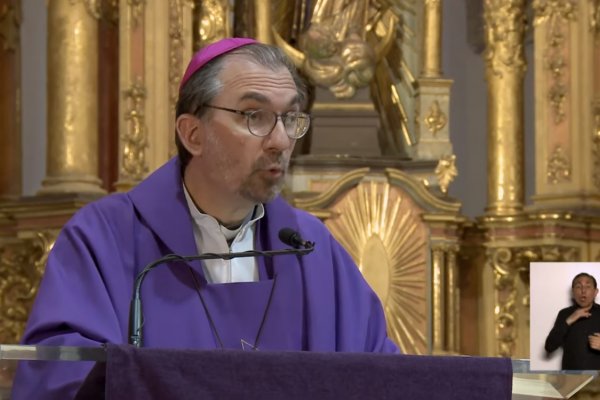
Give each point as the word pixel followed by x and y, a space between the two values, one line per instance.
pixel 433 93
pixel 505 70
pixel 72 162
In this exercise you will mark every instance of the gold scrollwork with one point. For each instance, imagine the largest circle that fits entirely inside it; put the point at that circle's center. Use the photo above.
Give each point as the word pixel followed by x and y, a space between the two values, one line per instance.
pixel 559 166
pixel 550 9
pixel 135 139
pixel 505 299
pixel 505 20
pixel 137 10
pixel 508 265
pixel 10 22
pixel 595 17
pixel 556 13
pixel 110 11
pixel 446 171
pixel 435 119
pixel 21 268
pixel 212 21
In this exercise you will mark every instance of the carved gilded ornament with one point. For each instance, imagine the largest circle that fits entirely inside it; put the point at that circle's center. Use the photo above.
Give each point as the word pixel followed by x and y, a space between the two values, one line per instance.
pixel 343 43
pixel 554 9
pixel 510 265
pixel 505 29
pixel 109 11
pixel 386 237
pixel 21 268
pixel 446 171
pixel 10 23
pixel 435 119
pixel 136 8
pixel 94 7
pixel 559 166
pixel 556 14
pixel 212 21
pixel 505 299
pixel 135 140
pixel 595 17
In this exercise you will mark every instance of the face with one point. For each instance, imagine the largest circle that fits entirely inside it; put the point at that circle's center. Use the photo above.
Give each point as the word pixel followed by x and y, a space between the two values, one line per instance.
pixel 584 291
pixel 245 167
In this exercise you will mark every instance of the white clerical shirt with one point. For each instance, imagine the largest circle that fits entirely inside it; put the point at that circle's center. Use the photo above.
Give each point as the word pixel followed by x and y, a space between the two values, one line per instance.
pixel 212 237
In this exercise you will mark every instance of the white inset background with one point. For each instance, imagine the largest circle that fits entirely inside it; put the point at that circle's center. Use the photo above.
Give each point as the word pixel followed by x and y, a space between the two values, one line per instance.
pixel 550 291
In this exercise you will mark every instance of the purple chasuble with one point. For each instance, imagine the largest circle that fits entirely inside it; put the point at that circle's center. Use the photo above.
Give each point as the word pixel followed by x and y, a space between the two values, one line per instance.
pixel 320 301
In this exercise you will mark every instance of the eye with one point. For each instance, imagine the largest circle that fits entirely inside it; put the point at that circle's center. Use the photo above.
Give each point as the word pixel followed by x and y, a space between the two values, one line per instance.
pixel 258 116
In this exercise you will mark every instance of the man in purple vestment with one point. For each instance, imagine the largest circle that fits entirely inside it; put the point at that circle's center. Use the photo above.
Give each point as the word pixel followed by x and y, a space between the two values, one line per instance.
pixel 239 115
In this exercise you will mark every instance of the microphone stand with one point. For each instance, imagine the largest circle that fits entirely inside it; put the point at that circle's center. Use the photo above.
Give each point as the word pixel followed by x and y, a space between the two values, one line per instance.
pixel 135 309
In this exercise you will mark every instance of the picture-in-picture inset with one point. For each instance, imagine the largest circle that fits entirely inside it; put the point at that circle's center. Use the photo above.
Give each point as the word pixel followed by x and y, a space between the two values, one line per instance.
pixel 564 316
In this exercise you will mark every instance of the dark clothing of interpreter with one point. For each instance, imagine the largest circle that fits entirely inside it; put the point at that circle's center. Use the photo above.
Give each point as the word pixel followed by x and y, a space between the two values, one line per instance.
pixel 577 353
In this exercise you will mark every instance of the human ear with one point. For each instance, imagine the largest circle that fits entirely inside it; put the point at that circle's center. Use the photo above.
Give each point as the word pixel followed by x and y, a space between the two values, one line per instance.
pixel 189 130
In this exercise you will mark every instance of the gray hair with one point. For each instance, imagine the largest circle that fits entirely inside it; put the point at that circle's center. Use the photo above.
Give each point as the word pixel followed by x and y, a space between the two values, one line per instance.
pixel 205 84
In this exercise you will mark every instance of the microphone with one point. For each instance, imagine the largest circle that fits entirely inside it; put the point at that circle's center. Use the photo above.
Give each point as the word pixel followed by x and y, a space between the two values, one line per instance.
pixel 293 238
pixel 136 320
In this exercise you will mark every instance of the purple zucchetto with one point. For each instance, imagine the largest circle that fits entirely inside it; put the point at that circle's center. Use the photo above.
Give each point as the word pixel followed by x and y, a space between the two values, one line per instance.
pixel 211 51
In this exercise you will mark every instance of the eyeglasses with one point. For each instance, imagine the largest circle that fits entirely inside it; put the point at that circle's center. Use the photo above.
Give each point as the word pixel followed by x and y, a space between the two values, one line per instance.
pixel 262 122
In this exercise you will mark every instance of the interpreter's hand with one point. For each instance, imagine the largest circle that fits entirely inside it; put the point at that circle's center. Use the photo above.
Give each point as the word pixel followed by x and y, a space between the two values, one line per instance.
pixel 594 341
pixel 579 313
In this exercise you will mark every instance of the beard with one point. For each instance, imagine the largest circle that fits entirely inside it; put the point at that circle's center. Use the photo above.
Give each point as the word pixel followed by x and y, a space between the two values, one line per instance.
pixel 261 185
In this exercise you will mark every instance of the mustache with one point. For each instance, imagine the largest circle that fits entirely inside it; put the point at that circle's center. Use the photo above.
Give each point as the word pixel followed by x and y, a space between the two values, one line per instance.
pixel 271 161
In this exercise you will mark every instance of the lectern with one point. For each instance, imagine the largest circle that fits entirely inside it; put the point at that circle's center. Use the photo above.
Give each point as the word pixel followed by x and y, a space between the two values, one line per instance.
pixel 126 372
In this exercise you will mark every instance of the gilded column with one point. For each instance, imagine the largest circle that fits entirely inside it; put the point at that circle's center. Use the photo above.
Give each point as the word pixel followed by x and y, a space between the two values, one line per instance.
pixel 10 101
pixel 264 21
pixel 72 162
pixel 452 303
pixel 438 298
pixel 432 39
pixel 505 69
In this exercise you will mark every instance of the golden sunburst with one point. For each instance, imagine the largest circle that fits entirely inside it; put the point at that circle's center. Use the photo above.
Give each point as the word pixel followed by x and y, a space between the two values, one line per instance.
pixel 382 231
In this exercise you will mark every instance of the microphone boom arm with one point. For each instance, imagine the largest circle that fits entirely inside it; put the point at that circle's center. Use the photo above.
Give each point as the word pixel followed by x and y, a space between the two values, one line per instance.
pixel 135 310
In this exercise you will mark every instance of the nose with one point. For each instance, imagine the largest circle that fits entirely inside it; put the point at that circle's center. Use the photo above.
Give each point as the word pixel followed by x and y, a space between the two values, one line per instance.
pixel 278 138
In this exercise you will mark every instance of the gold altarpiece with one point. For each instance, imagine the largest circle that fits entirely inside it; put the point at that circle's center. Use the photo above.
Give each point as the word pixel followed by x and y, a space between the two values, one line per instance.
pixel 376 166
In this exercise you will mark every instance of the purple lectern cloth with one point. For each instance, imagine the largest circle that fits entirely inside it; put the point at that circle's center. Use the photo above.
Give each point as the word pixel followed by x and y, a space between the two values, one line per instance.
pixel 231 374
pixel 320 303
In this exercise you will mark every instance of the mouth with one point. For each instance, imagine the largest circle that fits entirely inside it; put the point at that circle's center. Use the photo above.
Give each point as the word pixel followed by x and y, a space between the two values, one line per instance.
pixel 275 172
pixel 272 167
